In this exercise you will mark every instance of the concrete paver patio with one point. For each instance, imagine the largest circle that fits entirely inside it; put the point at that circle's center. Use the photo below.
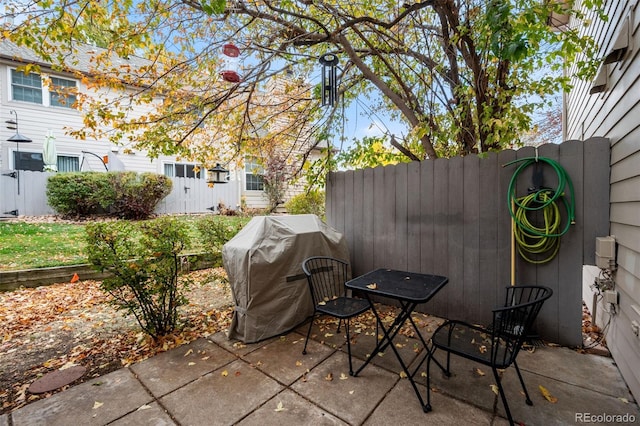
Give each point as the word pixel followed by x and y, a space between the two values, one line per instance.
pixel 215 381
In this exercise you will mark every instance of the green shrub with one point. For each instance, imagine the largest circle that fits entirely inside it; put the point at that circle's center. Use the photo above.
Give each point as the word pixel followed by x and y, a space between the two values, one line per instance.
pixel 311 202
pixel 216 231
pixel 137 195
pixel 127 195
pixel 79 193
pixel 144 263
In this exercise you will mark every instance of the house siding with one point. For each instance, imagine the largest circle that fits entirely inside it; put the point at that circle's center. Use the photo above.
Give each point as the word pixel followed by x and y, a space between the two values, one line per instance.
pixel 613 114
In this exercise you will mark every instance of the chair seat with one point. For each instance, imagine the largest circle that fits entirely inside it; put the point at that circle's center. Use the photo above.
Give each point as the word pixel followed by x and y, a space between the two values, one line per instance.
pixel 343 307
pixel 472 342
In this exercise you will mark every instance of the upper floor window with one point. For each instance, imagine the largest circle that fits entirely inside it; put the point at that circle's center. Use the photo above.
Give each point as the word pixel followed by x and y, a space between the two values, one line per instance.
pixel 182 170
pixel 29 88
pixel 62 92
pixel 254 175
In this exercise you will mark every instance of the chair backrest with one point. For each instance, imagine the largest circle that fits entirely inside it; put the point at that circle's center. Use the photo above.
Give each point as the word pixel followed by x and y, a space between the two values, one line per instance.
pixel 326 277
pixel 513 322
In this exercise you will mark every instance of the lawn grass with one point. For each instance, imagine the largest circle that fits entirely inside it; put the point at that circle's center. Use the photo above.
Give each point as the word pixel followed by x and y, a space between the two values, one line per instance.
pixel 27 245
pixel 37 245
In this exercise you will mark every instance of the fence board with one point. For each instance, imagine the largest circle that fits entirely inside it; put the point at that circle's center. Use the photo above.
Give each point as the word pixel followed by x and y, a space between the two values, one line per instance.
pixel 450 217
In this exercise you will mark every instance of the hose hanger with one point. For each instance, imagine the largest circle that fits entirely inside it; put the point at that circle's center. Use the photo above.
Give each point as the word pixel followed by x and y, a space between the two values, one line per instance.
pixel 537 216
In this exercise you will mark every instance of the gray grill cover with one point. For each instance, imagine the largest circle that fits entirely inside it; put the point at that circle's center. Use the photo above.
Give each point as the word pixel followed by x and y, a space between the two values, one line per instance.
pixel 264 265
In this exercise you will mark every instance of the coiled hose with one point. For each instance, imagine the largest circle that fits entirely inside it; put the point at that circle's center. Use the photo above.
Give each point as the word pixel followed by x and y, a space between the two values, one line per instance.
pixel 537 216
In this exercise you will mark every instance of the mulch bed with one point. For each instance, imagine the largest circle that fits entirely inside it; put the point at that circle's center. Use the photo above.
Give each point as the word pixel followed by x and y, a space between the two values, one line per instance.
pixel 64 325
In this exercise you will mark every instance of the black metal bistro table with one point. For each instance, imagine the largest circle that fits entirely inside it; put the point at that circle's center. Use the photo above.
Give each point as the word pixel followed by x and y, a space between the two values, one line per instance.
pixel 409 289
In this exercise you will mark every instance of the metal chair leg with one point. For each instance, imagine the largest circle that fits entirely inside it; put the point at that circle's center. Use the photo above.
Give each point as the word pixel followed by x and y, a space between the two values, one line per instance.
pixel 524 388
pixel 304 350
pixel 503 396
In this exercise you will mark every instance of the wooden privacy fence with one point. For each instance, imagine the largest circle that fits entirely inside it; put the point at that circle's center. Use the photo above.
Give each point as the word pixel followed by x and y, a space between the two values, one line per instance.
pixel 450 217
pixel 188 195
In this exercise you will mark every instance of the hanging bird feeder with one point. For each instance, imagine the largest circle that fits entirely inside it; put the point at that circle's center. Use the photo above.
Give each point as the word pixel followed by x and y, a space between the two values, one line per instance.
pixel 231 63
pixel 329 89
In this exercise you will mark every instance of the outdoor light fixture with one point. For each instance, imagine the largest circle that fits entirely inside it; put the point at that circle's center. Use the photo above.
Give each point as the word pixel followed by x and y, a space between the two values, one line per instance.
pixel 218 174
pixel 329 89
pixel 18 139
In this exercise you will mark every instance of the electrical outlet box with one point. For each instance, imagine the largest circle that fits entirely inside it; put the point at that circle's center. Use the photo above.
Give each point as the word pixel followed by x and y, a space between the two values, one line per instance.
pixel 606 252
pixel 611 296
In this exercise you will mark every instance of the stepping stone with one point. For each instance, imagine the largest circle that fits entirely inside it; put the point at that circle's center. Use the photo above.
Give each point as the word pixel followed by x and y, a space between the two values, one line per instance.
pixel 57 379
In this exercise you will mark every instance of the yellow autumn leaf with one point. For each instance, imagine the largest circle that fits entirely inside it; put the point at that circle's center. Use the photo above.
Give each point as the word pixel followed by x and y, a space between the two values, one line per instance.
pixel 547 395
pixel 280 407
pixel 495 389
pixel 225 373
pixel 298 363
pixel 372 286
pixel 343 376
pixel 328 334
pixel 97 405
pixel 482 349
pixel 403 375
pixel 479 372
pixel 189 352
pixel 329 377
pixel 191 363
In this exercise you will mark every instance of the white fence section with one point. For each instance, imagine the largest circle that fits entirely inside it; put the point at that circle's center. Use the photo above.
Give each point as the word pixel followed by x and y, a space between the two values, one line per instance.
pixel 24 193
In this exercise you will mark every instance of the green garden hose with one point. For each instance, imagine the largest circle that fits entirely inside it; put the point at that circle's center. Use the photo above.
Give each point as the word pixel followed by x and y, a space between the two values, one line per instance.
pixel 538 241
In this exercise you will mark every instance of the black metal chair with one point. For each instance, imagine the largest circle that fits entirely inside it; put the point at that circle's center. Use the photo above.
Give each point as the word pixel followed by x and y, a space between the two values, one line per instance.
pixel 496 346
pixel 326 277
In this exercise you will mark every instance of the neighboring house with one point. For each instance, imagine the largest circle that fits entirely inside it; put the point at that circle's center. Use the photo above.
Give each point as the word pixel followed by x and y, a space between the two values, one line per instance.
pixel 609 106
pixel 43 111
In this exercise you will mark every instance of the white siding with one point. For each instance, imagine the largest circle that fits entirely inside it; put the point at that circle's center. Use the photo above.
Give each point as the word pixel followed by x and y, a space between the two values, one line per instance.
pixel 614 114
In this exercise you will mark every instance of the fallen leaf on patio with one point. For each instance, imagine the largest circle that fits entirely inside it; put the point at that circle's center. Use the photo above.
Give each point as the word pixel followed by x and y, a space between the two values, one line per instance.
pixel 280 407
pixel 304 377
pixel 298 363
pixel 143 407
pixel 625 400
pixel 372 286
pixel 204 358
pixel 423 374
pixel 237 373
pixel 191 363
pixel 380 353
pixel 351 392
pixel 479 372
pixel 328 335
pixel 329 377
pixel 482 349
pixel 473 341
pixel 403 375
pixel 189 352
pixel 225 373
pixel 399 345
pixel 495 389
pixel 547 395
pixel 97 405
pixel 343 376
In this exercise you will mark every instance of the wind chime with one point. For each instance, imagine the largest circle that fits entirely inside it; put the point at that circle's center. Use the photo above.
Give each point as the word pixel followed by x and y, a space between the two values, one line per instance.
pixel 329 89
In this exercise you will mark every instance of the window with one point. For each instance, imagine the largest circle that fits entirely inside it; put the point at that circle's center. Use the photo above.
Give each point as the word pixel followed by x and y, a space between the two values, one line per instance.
pixel 253 175
pixel 33 161
pixel 62 92
pixel 28 88
pixel 182 170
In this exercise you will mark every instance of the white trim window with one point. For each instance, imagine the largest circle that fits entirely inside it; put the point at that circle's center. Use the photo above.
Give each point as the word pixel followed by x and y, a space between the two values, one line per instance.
pixel 188 170
pixel 254 174
pixel 60 92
